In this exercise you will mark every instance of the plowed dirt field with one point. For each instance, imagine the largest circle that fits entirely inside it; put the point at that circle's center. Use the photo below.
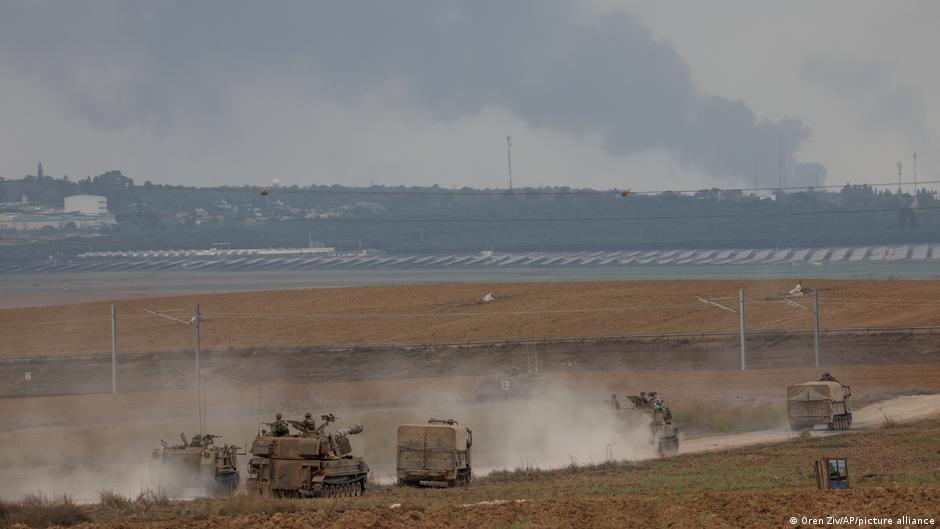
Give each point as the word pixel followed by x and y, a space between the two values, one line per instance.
pixel 455 313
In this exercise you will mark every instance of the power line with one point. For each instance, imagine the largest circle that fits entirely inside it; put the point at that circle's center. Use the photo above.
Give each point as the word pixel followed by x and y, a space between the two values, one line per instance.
pixel 209 316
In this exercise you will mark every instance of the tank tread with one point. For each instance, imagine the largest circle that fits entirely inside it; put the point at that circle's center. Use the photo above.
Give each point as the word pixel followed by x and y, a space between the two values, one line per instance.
pixel 343 490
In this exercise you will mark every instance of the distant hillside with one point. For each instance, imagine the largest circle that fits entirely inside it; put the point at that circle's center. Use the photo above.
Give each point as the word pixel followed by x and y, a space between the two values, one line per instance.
pixel 433 219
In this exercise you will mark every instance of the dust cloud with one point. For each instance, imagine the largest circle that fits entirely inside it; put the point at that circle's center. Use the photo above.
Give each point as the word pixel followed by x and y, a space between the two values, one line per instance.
pixel 559 428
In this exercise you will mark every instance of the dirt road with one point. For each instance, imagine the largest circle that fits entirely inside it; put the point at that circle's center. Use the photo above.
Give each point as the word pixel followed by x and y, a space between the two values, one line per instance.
pixel 898 410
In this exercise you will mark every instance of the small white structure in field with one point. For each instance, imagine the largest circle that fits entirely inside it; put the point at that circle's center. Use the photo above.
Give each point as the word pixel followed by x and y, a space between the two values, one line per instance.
pixel 797 290
pixel 489 297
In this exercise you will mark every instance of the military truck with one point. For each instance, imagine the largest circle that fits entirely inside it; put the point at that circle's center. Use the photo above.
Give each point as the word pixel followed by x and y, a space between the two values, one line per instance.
pixel 197 467
pixel 434 454
pixel 310 464
pixel 824 401
pixel 665 433
pixel 514 385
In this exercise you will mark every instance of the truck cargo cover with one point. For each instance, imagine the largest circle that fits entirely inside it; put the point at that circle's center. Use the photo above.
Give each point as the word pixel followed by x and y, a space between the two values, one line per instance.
pixel 815 391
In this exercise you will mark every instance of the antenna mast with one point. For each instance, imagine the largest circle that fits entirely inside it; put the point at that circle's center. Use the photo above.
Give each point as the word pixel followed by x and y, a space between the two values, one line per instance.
pixel 509 159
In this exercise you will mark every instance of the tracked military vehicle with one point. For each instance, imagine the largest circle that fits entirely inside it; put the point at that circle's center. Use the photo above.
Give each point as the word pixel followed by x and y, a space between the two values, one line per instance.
pixel 435 454
pixel 514 385
pixel 665 433
pixel 311 464
pixel 825 401
pixel 197 467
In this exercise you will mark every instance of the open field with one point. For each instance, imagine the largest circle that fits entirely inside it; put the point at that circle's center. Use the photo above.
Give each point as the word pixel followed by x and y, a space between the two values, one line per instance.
pixel 52 288
pixel 422 314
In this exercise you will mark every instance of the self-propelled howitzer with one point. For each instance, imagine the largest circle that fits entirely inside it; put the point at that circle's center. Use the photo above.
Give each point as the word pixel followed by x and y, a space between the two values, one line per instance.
pixel 307 465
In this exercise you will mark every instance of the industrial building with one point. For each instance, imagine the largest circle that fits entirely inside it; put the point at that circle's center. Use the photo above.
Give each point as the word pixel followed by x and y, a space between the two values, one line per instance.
pixel 86 205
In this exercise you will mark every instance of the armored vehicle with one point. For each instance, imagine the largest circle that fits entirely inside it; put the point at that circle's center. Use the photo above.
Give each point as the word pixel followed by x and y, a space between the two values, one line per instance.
pixel 514 385
pixel 665 433
pixel 197 467
pixel 436 453
pixel 310 464
pixel 825 401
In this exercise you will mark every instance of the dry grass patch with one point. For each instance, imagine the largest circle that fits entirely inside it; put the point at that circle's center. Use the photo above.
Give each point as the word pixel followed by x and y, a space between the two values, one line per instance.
pixel 39 511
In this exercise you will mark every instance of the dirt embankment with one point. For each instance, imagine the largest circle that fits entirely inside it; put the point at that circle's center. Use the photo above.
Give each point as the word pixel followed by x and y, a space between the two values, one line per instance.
pixel 456 313
pixel 68 374
pixel 264 397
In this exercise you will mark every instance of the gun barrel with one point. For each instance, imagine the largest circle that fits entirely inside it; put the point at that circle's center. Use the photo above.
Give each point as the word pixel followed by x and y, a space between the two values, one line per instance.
pixel 352 430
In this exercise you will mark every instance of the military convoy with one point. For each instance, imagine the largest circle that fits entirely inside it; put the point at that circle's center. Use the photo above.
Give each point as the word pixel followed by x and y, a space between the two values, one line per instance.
pixel 313 463
pixel 197 467
pixel 436 453
pixel 825 401
pixel 310 464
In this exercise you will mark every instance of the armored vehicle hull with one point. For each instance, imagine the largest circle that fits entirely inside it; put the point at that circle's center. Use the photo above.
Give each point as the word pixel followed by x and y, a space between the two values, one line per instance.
pixel 437 453
pixel 665 434
pixel 197 471
pixel 820 402
pixel 306 466
pixel 511 386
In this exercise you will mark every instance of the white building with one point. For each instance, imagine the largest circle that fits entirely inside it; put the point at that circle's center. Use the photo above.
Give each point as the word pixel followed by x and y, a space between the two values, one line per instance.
pixel 86 205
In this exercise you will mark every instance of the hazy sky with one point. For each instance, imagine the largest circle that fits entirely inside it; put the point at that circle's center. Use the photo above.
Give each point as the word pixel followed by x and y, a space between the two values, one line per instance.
pixel 598 93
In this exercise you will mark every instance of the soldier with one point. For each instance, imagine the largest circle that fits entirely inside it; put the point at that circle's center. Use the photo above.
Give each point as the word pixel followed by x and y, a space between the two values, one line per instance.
pixel 826 377
pixel 614 403
pixel 279 428
pixel 308 422
pixel 667 415
pixel 644 398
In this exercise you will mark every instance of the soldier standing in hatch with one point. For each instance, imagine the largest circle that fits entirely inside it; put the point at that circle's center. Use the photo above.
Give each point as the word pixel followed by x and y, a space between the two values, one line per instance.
pixel 279 428
pixel 614 403
pixel 309 423
pixel 826 377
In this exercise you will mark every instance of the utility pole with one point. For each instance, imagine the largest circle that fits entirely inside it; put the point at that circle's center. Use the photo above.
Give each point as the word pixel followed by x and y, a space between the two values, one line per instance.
pixel 509 159
pixel 113 349
pixel 816 329
pixel 899 176
pixel 780 162
pixel 196 319
pixel 915 174
pixel 743 340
